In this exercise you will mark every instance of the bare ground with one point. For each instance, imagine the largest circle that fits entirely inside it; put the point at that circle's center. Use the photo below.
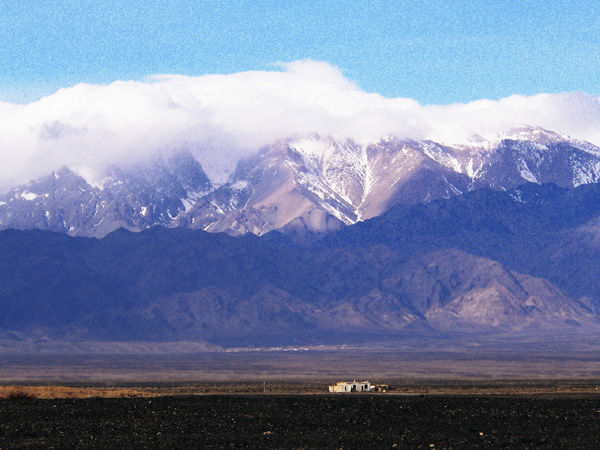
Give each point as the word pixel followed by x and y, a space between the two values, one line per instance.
pixel 302 422
pixel 449 400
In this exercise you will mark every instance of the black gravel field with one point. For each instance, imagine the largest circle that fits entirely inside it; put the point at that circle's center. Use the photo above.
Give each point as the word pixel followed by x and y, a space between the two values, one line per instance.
pixel 302 422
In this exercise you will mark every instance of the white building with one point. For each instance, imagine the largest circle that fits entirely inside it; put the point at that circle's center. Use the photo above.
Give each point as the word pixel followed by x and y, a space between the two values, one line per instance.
pixel 351 386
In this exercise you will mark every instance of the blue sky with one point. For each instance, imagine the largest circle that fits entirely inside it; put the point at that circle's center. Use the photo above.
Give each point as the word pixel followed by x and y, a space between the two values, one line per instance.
pixel 436 52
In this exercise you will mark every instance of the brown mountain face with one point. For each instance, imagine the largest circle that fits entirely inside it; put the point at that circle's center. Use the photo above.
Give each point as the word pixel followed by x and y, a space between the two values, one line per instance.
pixel 274 190
pixel 454 290
pixel 320 184
pixel 401 173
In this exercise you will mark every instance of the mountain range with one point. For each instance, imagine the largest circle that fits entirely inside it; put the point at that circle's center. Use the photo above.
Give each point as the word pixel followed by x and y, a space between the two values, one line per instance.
pixel 308 184
pixel 520 262
pixel 311 241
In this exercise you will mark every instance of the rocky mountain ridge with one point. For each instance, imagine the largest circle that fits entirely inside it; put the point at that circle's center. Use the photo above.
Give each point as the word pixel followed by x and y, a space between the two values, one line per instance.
pixel 524 261
pixel 306 184
pixel 135 198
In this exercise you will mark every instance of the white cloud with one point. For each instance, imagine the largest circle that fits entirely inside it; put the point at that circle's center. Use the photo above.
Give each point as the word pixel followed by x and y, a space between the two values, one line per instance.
pixel 220 118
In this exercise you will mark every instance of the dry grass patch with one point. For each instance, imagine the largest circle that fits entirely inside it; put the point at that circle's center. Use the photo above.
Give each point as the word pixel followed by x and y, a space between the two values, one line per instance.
pixel 48 392
pixel 18 393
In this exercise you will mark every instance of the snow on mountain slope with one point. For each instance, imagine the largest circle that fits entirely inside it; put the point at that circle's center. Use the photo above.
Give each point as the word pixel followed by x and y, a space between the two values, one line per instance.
pixel 135 199
pixel 309 183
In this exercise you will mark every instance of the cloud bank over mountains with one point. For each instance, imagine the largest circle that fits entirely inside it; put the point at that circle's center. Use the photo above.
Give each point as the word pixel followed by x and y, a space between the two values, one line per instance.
pixel 221 118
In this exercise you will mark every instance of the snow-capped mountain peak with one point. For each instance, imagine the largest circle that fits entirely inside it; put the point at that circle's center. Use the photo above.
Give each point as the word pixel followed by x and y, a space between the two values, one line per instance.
pixel 310 183
pixel 532 134
pixel 78 201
